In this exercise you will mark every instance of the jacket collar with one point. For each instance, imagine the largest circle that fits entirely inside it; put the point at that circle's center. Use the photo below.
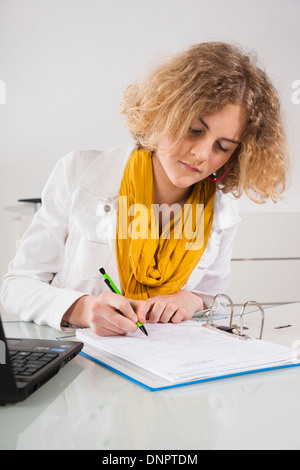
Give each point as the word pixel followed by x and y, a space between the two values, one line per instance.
pixel 226 211
pixel 103 176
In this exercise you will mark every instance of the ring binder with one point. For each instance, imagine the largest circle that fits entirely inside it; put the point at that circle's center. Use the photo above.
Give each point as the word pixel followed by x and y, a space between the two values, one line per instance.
pixel 252 302
pixel 203 356
pixel 235 330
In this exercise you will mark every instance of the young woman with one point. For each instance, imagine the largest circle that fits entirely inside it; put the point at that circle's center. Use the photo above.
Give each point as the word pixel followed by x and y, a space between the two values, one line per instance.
pixel 207 127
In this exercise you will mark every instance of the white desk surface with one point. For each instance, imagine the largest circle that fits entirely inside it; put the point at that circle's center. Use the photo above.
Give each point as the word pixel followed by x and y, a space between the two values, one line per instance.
pixel 86 406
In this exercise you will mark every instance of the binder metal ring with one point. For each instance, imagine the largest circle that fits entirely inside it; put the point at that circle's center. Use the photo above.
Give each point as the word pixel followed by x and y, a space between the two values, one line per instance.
pixel 252 302
pixel 212 305
pixel 237 331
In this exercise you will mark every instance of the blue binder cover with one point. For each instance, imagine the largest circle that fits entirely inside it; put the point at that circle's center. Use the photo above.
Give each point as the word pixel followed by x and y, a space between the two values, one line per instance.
pixel 153 382
pixel 182 384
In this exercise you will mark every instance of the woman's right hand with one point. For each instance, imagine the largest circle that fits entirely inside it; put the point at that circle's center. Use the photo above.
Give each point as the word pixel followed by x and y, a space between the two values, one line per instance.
pixel 107 315
pixel 112 314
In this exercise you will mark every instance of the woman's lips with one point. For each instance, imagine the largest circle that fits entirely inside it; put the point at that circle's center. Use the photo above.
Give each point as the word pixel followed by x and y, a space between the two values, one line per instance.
pixel 189 167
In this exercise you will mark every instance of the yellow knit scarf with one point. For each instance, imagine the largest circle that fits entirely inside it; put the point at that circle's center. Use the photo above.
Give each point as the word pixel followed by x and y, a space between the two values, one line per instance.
pixel 150 263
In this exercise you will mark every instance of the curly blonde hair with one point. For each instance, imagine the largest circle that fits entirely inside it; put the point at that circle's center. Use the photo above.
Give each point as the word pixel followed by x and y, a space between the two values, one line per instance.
pixel 200 81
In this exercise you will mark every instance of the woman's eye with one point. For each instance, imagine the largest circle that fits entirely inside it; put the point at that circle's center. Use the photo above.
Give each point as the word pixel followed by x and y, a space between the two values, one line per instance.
pixel 194 131
pixel 222 148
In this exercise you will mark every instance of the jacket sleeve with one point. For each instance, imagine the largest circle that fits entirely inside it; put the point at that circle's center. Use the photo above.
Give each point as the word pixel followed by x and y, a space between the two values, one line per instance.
pixel 217 277
pixel 26 290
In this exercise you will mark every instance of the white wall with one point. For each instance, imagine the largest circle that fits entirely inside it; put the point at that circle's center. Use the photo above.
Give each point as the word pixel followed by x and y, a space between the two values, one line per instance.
pixel 64 64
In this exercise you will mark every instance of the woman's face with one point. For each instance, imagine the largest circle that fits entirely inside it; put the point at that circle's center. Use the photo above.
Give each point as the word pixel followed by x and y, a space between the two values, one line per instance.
pixel 208 146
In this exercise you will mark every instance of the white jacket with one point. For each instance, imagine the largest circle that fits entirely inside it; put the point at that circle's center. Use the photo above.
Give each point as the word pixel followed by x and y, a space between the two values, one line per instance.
pixel 61 252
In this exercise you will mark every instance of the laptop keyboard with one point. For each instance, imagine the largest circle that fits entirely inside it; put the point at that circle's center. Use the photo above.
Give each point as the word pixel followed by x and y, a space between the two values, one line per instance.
pixel 26 363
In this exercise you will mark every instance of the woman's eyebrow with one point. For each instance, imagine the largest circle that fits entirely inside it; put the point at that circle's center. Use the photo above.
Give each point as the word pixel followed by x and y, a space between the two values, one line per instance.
pixel 222 138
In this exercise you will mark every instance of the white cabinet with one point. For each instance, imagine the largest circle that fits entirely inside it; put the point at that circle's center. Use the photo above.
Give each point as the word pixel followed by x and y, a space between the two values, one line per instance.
pixel 266 259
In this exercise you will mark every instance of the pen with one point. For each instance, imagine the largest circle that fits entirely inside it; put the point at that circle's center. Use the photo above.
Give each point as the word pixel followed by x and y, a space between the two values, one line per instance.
pixel 114 289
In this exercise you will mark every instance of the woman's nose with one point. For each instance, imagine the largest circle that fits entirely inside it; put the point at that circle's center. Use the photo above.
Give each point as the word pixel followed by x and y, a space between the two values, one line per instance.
pixel 201 150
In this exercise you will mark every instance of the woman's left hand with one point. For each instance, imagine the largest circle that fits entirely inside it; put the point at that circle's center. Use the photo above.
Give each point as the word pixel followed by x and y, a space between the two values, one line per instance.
pixel 171 307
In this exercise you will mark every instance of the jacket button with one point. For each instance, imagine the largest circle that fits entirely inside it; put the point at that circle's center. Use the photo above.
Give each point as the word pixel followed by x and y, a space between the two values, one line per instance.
pixel 107 208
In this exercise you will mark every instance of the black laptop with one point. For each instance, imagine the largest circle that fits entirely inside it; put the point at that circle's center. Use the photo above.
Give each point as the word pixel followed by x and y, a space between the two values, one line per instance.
pixel 26 364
